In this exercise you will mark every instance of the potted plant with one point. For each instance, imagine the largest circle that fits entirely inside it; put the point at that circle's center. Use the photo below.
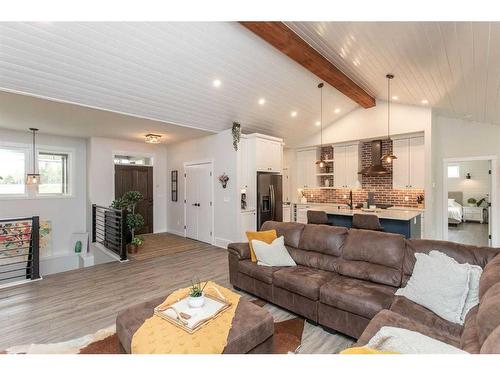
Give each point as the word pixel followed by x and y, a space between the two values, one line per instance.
pixel 134 222
pixel 196 297
pixel 236 132
pixel 472 202
pixel 136 242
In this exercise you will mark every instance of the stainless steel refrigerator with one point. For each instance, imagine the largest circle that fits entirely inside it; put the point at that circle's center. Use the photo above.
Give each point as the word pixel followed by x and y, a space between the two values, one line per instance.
pixel 269 197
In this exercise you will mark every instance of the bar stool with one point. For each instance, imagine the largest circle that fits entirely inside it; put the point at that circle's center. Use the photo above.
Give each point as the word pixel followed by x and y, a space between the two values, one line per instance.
pixel 369 222
pixel 317 217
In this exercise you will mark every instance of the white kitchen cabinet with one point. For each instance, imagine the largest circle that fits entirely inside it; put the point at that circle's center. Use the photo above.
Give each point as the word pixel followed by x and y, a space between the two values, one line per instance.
pixel 287 213
pixel 408 168
pixel 268 155
pixel 248 223
pixel 306 168
pixel 346 166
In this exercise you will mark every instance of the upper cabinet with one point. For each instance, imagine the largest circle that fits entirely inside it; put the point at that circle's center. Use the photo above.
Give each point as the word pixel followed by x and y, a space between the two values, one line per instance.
pixel 408 168
pixel 268 155
pixel 347 161
pixel 306 168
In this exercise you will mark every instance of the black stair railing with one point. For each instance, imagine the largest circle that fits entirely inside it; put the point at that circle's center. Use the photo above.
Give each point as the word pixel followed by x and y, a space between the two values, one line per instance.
pixel 19 249
pixel 109 229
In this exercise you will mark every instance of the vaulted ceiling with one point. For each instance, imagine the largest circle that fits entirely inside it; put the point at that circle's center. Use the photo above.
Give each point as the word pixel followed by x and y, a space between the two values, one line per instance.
pixel 165 71
pixel 455 66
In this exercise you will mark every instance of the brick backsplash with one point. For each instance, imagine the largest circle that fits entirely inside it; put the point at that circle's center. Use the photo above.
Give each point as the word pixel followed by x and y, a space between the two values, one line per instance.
pixel 381 186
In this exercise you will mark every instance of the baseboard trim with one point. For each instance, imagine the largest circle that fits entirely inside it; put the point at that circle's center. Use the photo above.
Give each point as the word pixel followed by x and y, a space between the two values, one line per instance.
pixel 176 232
pixel 222 242
pixel 19 282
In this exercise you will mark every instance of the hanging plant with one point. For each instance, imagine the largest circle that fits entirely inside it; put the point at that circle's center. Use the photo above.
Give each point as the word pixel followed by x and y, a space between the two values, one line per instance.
pixel 236 131
pixel 223 179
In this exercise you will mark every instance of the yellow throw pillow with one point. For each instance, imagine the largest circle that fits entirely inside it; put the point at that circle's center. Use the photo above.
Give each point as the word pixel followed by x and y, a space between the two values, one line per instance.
pixel 267 236
pixel 365 350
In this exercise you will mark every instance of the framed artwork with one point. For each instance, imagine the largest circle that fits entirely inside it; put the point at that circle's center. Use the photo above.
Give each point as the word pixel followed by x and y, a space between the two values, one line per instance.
pixel 174 175
pixel 80 242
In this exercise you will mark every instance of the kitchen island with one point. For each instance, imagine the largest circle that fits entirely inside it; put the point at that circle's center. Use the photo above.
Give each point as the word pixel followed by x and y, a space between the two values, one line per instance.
pixel 405 222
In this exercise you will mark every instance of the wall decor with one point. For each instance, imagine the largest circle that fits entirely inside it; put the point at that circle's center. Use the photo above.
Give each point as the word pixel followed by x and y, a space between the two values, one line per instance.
pixel 173 184
pixel 223 179
pixel 236 131
pixel 80 242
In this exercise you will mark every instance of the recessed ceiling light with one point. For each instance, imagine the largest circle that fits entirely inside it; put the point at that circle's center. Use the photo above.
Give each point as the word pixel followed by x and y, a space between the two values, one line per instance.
pixel 216 82
pixel 262 101
pixel 424 101
pixel 293 114
pixel 337 110
pixel 318 123
pixel 395 97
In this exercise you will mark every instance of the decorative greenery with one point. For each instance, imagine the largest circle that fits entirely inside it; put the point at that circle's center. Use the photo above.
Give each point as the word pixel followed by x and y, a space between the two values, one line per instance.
pixel 129 201
pixel 119 204
pixel 137 241
pixel 420 199
pixel 132 198
pixel 196 290
pixel 480 202
pixel 472 201
pixel 236 131
pixel 223 179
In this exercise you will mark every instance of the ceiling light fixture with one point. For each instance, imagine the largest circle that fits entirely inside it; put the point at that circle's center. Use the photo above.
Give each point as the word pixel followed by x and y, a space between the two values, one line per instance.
pixel 262 101
pixel 152 138
pixel 424 101
pixel 321 162
pixel 216 82
pixel 293 114
pixel 389 157
pixel 33 178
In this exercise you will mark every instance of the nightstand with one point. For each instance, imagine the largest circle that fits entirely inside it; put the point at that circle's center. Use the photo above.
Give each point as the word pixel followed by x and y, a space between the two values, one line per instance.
pixel 473 213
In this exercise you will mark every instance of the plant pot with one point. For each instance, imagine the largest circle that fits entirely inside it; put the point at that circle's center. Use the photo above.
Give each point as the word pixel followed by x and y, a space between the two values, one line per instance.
pixel 196 302
pixel 132 248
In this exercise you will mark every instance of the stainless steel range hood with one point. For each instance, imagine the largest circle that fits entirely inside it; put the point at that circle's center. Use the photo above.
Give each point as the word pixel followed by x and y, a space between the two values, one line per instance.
pixel 376 168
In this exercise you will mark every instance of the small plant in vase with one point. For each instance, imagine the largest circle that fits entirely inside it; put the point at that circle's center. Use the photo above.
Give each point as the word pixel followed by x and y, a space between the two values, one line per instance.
pixel 137 241
pixel 472 202
pixel 196 296
pixel 223 179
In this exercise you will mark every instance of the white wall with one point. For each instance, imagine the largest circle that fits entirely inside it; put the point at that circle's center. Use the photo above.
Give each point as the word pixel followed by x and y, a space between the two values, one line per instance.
pixel 478 186
pixel 67 214
pixel 455 138
pixel 101 173
pixel 217 148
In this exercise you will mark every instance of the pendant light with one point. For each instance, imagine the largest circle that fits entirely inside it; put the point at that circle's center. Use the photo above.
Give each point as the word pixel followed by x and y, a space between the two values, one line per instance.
pixel 33 178
pixel 321 162
pixel 389 157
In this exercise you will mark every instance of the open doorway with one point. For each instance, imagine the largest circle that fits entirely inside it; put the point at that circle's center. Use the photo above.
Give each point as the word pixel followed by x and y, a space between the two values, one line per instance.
pixel 469 199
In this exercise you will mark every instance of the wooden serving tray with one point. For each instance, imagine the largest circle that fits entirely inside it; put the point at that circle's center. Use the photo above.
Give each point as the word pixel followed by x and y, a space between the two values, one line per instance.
pixel 175 313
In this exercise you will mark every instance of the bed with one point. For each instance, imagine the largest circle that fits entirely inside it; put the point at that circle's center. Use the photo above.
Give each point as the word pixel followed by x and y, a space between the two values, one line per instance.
pixel 455 207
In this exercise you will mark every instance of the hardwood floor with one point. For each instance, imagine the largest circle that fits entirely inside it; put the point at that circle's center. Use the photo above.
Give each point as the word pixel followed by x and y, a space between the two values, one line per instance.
pixel 72 304
pixel 469 234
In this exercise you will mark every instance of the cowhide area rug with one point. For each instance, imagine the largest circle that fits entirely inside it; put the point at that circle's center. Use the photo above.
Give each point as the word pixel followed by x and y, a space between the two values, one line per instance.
pixel 287 339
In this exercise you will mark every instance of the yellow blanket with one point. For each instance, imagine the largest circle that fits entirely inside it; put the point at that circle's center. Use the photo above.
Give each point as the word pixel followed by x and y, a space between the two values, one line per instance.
pixel 157 336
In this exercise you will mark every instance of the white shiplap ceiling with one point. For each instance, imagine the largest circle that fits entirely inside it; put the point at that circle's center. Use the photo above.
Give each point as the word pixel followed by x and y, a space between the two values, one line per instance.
pixel 455 66
pixel 165 71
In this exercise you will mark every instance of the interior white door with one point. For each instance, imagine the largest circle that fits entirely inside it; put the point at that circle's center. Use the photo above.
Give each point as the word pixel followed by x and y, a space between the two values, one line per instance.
pixel 339 156
pixel 199 206
pixel 351 176
pixel 400 166
pixel 416 163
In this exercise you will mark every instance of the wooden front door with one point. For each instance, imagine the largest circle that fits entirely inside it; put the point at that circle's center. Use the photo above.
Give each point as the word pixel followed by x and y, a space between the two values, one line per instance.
pixel 138 178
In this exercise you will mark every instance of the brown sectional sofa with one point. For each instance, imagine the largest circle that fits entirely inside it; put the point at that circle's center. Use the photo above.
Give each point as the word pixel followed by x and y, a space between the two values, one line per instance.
pixel 345 280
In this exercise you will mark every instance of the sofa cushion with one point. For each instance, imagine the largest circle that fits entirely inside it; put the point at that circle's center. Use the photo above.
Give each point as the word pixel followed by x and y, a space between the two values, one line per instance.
pixel 474 255
pixel 488 314
pixel 469 339
pixel 373 256
pixel 302 280
pixel 325 239
pixel 490 276
pixel 291 231
pixel 240 249
pixel 393 319
pixel 262 273
pixel 492 343
pixel 313 259
pixel 360 297
pixel 419 313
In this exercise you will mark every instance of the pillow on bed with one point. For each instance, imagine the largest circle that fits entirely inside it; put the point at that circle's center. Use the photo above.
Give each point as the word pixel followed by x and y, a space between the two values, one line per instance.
pixel 450 202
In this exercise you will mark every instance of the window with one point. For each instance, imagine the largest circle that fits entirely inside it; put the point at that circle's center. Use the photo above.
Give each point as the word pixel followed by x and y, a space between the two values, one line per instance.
pixel 53 169
pixel 133 160
pixel 453 171
pixel 12 171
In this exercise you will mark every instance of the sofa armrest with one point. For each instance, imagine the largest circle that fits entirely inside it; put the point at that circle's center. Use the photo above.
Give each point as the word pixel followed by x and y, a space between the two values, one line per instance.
pixel 240 249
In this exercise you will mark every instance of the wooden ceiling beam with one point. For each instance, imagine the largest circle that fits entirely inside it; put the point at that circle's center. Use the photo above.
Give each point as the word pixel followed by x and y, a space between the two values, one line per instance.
pixel 281 37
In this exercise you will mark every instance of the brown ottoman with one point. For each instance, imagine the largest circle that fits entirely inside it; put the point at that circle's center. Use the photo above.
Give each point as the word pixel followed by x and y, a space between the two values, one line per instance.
pixel 252 330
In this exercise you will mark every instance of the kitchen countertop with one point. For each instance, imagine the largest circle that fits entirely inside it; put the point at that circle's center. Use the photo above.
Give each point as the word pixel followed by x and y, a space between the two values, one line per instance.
pixel 403 215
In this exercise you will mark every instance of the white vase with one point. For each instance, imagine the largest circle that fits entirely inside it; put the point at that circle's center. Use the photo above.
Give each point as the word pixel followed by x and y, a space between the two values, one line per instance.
pixel 196 302
pixel 303 200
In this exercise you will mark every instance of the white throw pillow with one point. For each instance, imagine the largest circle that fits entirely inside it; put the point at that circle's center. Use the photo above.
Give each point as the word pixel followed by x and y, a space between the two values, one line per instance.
pixel 404 341
pixel 450 202
pixel 439 285
pixel 475 274
pixel 274 254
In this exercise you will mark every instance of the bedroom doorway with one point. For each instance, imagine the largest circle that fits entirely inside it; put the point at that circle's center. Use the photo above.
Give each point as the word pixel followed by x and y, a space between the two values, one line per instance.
pixel 469 200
